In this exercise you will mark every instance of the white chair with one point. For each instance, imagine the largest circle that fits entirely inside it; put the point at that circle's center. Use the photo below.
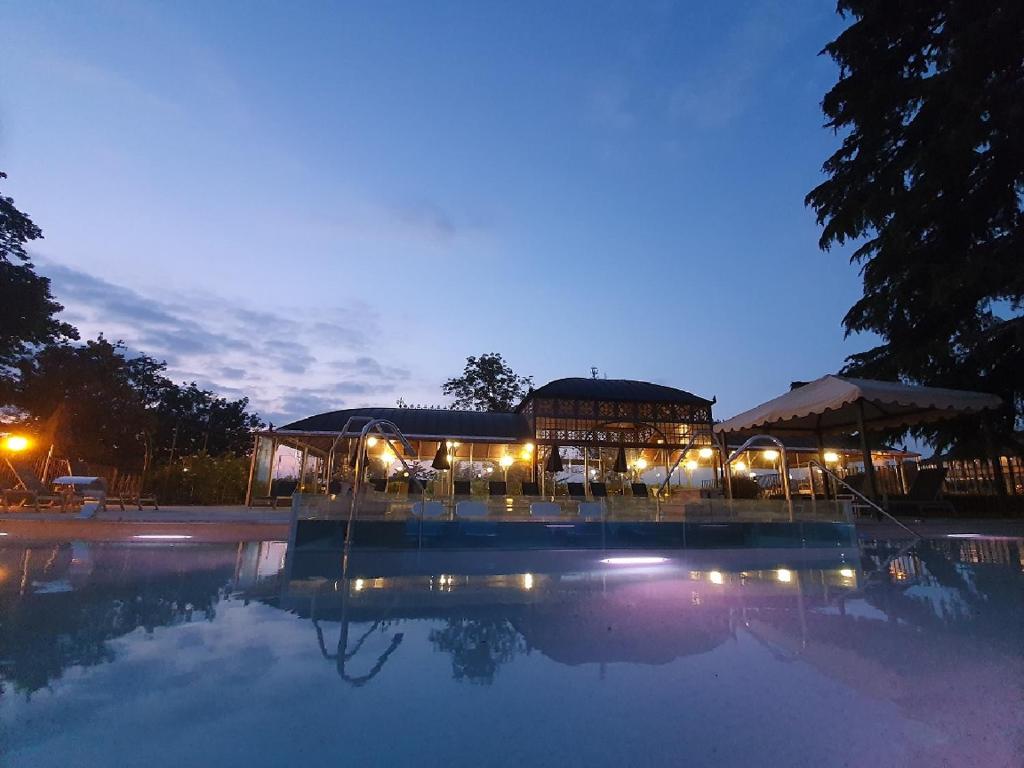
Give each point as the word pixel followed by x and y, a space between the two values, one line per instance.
pixel 428 510
pixel 545 509
pixel 470 509
pixel 591 510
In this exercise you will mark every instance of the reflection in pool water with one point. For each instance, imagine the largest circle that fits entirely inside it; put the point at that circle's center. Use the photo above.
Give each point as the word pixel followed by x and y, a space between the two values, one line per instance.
pixel 160 652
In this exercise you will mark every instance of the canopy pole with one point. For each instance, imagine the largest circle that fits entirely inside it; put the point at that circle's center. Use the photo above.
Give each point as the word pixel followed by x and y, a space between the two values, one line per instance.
pixel 869 467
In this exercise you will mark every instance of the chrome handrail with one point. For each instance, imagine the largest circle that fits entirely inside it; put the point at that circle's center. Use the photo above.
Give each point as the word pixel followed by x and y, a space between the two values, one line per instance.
pixel 877 507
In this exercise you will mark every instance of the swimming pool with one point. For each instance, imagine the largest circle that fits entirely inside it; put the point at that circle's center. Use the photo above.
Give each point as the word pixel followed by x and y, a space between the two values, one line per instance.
pixel 165 652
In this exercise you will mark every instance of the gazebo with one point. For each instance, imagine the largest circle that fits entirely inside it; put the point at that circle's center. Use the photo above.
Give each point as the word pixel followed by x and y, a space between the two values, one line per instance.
pixel 837 405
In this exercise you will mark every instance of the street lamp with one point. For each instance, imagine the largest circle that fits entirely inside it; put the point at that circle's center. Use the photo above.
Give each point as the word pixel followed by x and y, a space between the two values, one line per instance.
pixel 506 461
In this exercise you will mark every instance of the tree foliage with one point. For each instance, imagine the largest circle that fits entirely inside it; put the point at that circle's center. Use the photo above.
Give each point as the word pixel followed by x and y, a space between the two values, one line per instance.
pixel 98 404
pixel 928 183
pixel 487 384
pixel 27 309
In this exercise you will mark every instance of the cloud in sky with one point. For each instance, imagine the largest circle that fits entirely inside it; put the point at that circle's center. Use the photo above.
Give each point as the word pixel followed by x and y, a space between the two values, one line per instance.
pixel 290 361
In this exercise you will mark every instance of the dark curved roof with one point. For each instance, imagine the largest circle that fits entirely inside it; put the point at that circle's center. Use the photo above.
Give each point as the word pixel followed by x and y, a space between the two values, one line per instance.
pixel 425 423
pixel 621 390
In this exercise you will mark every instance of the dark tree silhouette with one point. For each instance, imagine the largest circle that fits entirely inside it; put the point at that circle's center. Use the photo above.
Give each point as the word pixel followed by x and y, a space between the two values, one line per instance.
pixel 929 183
pixel 98 404
pixel 478 646
pixel 487 384
pixel 27 309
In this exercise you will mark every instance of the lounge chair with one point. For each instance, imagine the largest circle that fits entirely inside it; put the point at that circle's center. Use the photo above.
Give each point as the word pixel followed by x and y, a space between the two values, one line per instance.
pixel 380 485
pixel 545 509
pixel 530 488
pixel 31 491
pixel 576 490
pixel 640 490
pixel 428 510
pixel 462 488
pixel 599 490
pixel 471 509
pixel 924 494
pixel 497 488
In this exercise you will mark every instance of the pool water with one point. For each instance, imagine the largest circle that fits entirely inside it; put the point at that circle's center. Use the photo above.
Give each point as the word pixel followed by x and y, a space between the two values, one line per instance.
pixel 169 653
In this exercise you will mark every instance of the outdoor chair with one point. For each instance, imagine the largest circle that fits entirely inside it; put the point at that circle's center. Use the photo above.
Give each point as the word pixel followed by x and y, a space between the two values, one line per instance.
pixel 530 488
pixel 545 509
pixel 924 493
pixel 591 510
pixel 640 490
pixel 415 486
pixel 428 510
pixel 576 490
pixel 497 488
pixel 380 485
pixel 599 490
pixel 471 509
pixel 462 488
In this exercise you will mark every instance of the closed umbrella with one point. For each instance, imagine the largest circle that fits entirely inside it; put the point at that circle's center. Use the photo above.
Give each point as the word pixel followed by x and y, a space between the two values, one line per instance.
pixel 441 457
pixel 620 461
pixel 554 462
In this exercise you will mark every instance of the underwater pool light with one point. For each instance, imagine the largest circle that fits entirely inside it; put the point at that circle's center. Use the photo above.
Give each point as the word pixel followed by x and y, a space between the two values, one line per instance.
pixel 161 536
pixel 634 560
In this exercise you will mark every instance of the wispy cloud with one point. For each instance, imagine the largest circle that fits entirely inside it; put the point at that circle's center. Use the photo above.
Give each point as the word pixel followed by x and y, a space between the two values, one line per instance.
pixel 274 357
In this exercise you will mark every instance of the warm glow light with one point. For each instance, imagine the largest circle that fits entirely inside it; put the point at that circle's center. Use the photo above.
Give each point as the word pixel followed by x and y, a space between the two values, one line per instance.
pixel 634 560
pixel 784 575
pixel 741 466
pixel 161 536
pixel 527 581
pixel 640 464
pixel 371 441
pixel 528 447
pixel 771 454
pixel 359 585
pixel 705 453
pixel 716 577
pixel 387 456
pixel 691 465
pixel 506 461
pixel 16 443
pixel 831 457
pixel 846 573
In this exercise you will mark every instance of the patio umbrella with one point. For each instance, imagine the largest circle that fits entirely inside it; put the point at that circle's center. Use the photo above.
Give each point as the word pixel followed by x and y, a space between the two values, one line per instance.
pixel 620 461
pixel 441 457
pixel 554 462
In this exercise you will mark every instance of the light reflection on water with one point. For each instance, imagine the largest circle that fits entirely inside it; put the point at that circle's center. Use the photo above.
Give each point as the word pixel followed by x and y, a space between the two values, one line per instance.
pixel 158 653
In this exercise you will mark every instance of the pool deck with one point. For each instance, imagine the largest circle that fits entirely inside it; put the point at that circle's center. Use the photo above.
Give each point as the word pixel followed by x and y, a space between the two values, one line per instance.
pixel 236 523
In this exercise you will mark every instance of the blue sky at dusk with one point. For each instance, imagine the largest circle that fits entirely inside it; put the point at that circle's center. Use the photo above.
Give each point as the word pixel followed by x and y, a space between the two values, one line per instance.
pixel 325 205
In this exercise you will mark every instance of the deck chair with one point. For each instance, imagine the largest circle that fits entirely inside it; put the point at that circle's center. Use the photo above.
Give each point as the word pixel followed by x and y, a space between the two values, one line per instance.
pixel 31 491
pixel 545 509
pixel 576 490
pixel 599 490
pixel 428 510
pixel 470 509
pixel 530 488
pixel 640 490
pixel 924 493
pixel 462 488
pixel 380 485
pixel 497 488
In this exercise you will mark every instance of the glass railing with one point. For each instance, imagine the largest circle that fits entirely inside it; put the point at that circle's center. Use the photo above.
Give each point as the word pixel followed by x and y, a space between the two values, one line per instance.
pixel 374 505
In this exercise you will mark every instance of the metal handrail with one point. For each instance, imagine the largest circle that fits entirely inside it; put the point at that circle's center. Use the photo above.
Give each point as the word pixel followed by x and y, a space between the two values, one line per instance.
pixel 668 475
pixel 877 507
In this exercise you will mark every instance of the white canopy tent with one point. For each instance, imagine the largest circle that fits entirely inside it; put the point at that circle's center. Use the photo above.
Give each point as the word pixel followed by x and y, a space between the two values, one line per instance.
pixel 836 404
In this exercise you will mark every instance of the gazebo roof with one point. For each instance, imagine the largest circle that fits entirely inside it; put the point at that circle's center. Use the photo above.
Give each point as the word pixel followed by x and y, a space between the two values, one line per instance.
pixel 422 423
pixel 830 405
pixel 620 390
